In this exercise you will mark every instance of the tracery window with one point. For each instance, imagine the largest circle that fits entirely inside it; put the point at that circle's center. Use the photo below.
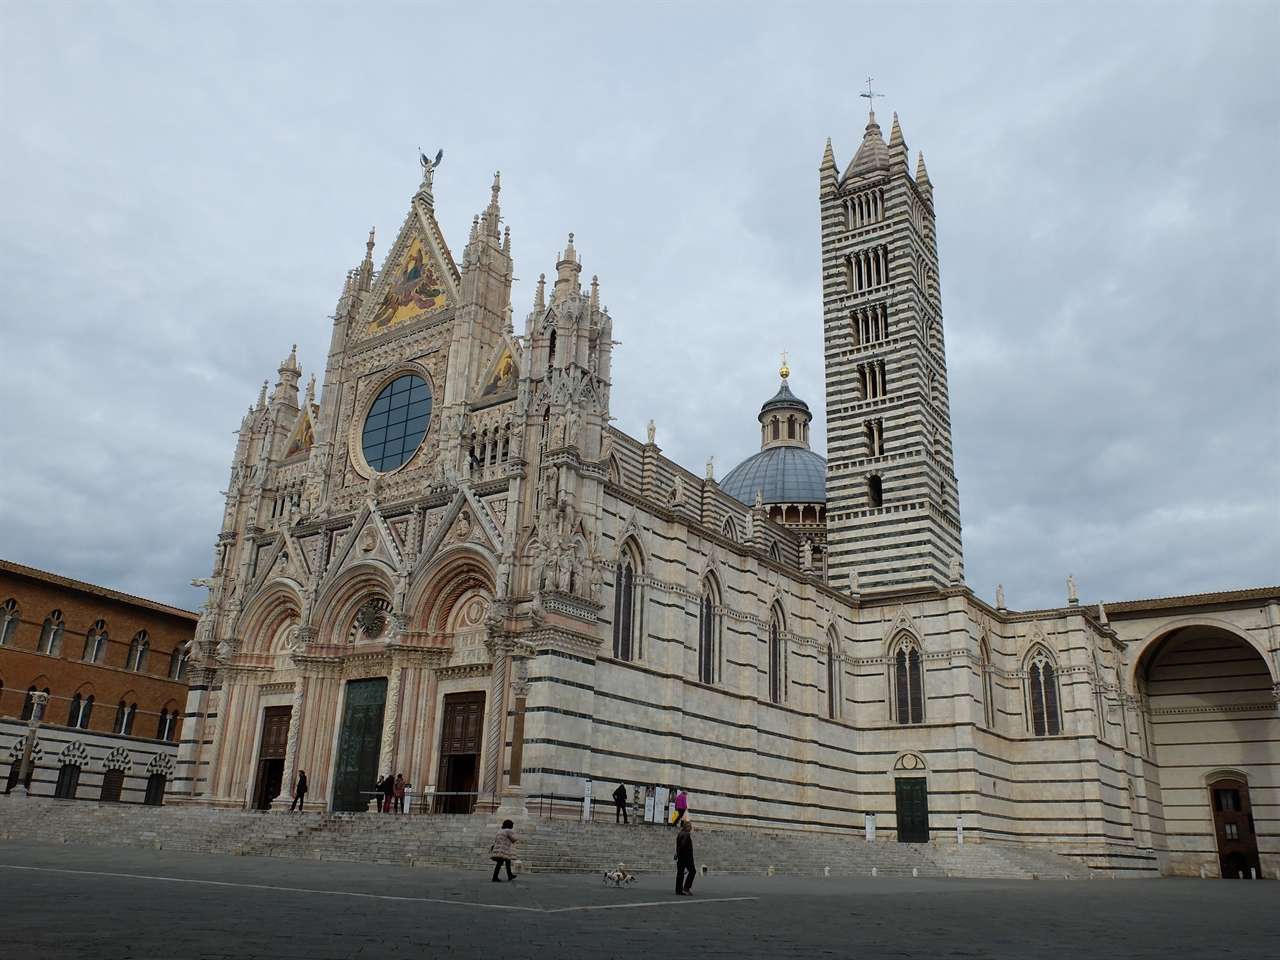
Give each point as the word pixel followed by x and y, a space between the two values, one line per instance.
pixel 177 664
pixel 168 727
pixel 1042 694
pixel 9 620
pixel 125 715
pixel 95 643
pixel 707 633
pixel 51 634
pixel 625 608
pixel 908 684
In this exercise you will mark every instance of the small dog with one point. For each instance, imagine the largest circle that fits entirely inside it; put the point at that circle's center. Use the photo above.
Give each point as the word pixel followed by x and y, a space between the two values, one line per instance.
pixel 618 876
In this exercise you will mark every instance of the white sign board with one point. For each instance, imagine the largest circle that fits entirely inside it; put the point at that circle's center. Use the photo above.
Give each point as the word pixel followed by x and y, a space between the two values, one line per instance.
pixel 586 801
pixel 871 827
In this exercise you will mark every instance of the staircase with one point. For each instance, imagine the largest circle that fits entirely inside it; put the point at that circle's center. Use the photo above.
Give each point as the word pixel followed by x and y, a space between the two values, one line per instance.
pixel 545 846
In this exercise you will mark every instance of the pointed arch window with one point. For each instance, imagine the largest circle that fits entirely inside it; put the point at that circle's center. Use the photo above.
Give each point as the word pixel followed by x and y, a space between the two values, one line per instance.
pixel 68 781
pixel 1042 695
pixel 10 617
pixel 29 704
pixel 707 633
pixel 95 643
pixel 139 649
pixel 908 684
pixel 988 686
pixel 625 607
pixel 51 634
pixel 833 680
pixel 80 712
pixel 177 664
pixel 777 661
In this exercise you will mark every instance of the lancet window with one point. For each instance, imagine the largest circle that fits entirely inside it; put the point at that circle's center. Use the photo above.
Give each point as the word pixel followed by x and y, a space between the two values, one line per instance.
pixel 875 437
pixel 625 606
pixel 777 660
pixel 833 679
pixel 139 650
pixel 81 711
pixel 707 633
pixel 988 686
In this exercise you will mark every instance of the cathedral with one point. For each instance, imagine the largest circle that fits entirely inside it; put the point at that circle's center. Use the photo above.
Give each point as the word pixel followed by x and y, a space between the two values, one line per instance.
pixel 447 563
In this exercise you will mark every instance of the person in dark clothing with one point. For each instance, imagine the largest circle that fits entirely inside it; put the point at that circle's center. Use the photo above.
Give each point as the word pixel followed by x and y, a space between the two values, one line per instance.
pixel 299 792
pixel 388 788
pixel 685 867
pixel 620 803
pixel 377 789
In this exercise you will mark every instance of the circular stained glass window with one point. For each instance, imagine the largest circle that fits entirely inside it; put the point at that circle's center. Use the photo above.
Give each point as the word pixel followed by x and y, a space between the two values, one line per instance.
pixel 396 423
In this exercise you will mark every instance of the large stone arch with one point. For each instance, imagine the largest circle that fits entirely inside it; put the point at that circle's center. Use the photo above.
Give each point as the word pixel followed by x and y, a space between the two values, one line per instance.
pixel 277 602
pixel 1206 691
pixel 338 605
pixel 448 578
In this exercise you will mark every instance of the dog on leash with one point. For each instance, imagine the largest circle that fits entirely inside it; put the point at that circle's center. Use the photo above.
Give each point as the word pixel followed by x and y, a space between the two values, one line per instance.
pixel 618 876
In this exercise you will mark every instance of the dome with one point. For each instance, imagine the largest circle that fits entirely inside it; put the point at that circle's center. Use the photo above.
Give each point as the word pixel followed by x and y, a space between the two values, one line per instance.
pixel 784 399
pixel 782 474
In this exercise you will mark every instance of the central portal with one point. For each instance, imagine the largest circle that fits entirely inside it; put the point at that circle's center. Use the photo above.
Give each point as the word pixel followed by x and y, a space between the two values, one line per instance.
pixel 459 752
pixel 356 774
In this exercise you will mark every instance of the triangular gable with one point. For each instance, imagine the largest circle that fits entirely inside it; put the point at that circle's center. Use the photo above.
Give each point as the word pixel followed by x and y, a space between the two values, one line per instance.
pixel 304 436
pixel 417 279
pixel 503 375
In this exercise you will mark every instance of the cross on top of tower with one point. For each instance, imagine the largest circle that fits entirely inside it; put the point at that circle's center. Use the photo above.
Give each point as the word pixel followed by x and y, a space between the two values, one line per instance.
pixel 871 95
pixel 785 371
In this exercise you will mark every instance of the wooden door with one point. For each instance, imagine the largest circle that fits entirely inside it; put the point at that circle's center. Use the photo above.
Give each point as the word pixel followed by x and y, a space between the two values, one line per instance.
pixel 271 751
pixel 1233 828
pixel 913 809
pixel 461 730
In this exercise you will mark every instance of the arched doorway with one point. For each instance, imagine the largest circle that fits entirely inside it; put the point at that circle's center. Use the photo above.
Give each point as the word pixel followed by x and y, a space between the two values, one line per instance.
pixel 1210 723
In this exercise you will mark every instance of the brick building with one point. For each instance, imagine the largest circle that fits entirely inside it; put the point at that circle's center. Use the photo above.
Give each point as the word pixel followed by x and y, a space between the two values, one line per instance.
pixel 114 665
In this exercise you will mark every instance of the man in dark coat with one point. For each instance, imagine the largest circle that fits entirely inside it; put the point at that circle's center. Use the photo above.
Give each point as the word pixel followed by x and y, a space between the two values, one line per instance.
pixel 388 788
pixel 685 868
pixel 299 792
pixel 620 804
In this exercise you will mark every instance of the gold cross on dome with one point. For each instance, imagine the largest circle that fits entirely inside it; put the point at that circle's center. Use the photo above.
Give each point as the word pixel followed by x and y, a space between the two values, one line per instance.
pixel 785 371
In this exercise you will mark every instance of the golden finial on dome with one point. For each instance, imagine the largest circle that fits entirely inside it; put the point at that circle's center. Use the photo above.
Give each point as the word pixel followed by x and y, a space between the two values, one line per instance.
pixel 785 371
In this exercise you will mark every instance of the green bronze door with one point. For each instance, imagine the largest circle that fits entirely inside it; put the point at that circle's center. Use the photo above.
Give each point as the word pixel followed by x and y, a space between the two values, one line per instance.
pixel 356 772
pixel 913 810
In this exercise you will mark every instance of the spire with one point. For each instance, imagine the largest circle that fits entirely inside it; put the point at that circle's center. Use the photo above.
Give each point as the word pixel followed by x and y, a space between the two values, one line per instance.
pixel 287 389
pixel 506 241
pixel 828 172
pixel 262 395
pixel 365 273
pixel 311 390
pixel 873 155
pixel 922 179
pixel 898 153
pixel 540 298
pixel 595 294
pixel 567 270
pixel 492 213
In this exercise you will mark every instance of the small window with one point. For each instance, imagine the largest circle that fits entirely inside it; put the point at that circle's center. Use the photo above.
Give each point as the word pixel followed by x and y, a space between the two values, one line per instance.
pixel 51 634
pixel 121 710
pixel 9 619
pixel 551 348
pixel 139 650
pixel 95 643
pixel 1226 800
pixel 1231 831
pixel 112 786
pixel 68 781
pixel 875 491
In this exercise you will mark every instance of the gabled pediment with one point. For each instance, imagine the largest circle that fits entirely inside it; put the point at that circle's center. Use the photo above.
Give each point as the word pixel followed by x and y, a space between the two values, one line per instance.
pixel 418 278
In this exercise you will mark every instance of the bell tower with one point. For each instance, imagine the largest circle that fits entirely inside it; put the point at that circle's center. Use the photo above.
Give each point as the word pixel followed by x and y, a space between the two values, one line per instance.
pixel 893 515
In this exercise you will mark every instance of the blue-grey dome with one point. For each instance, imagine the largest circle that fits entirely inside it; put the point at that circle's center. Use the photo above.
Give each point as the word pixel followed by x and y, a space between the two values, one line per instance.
pixel 782 474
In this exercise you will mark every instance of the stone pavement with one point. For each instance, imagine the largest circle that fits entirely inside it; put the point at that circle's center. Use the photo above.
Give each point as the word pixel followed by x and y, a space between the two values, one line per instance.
pixel 77 901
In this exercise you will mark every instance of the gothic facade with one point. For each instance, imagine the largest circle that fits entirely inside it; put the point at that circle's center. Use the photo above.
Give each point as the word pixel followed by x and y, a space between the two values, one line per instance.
pixel 453 567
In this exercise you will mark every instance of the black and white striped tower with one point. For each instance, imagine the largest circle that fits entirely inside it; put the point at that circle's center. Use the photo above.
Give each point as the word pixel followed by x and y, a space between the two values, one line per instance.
pixel 893 515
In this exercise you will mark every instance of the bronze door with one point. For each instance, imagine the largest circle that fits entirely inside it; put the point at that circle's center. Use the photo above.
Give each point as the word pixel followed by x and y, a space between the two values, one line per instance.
pixel 275 738
pixel 460 732
pixel 1233 828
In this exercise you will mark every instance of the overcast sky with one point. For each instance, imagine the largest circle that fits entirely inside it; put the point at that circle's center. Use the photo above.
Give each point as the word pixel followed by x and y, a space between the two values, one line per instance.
pixel 183 188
